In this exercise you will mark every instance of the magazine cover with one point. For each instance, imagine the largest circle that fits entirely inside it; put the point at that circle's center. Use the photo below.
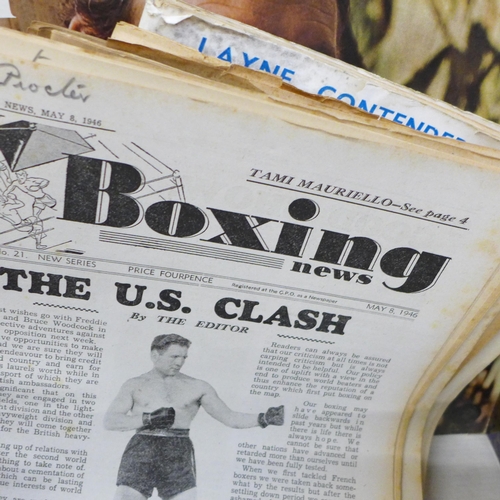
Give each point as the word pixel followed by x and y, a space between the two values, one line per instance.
pixel 447 49
pixel 477 408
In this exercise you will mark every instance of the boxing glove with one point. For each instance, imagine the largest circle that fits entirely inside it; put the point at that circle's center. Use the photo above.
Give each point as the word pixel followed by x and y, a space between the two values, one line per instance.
pixel 273 416
pixel 163 418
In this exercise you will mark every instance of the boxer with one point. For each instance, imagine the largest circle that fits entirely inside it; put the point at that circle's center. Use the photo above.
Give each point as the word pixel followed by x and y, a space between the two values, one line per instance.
pixel 160 406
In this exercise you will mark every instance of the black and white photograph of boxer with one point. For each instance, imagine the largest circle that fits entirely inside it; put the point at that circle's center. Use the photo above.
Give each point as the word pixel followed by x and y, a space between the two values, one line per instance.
pixel 160 406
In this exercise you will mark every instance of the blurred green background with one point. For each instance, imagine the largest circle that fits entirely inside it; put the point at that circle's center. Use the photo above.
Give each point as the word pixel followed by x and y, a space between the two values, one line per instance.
pixel 449 49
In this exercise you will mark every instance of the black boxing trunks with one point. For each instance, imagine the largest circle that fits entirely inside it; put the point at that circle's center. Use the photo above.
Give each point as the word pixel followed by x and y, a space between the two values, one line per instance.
pixel 164 462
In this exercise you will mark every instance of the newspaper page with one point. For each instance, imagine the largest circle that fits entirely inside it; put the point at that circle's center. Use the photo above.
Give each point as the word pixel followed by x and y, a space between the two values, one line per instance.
pixel 204 293
pixel 462 467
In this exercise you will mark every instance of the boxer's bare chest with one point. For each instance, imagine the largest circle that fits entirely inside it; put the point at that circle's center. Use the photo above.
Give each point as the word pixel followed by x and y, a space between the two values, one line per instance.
pixel 179 393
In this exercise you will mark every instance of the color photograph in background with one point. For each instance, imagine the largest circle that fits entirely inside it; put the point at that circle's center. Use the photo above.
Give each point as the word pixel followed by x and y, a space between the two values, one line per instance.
pixel 448 49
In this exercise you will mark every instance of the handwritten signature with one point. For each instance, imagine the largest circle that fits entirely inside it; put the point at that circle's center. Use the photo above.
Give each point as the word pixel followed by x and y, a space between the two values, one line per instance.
pixel 10 75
